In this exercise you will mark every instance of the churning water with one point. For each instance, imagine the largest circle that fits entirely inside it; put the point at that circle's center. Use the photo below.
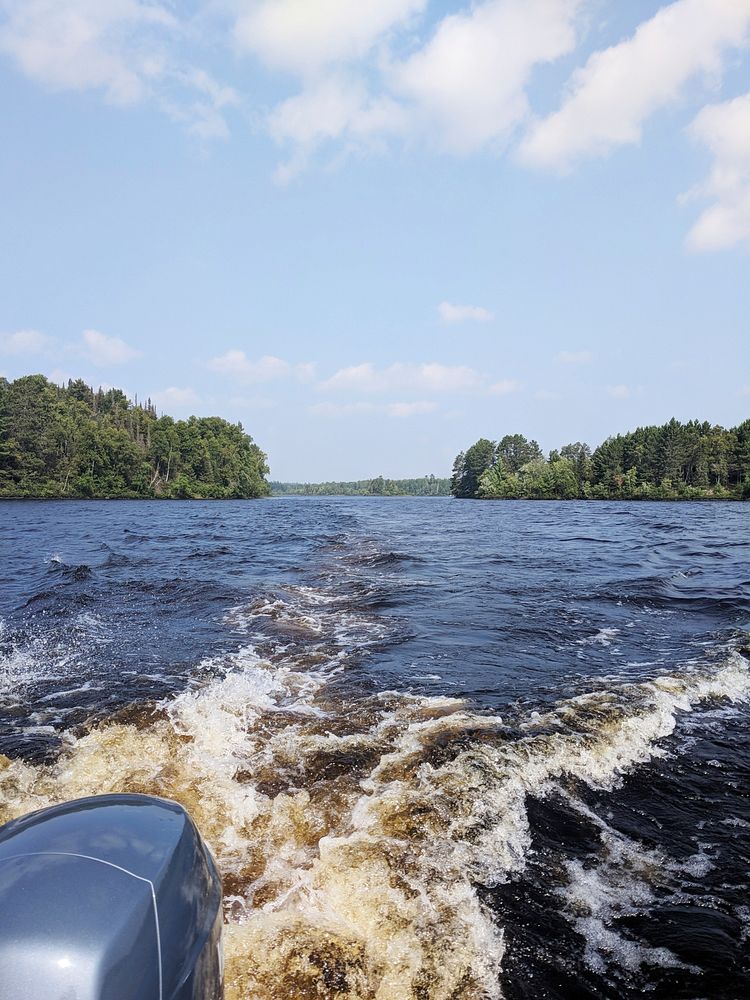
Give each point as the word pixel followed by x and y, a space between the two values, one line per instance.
pixel 441 750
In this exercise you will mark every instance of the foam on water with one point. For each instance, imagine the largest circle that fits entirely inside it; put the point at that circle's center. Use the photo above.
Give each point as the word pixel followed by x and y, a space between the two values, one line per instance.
pixel 620 882
pixel 352 830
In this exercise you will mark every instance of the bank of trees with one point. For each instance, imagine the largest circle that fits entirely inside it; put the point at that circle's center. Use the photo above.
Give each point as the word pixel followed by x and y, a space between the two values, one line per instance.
pixel 73 441
pixel 690 461
pixel 423 486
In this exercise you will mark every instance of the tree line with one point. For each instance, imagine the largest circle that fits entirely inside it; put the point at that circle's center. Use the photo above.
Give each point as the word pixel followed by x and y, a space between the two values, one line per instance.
pixel 72 441
pixel 676 461
pixel 423 486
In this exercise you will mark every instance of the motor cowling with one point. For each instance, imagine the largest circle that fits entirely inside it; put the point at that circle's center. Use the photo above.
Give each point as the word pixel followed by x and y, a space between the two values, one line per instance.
pixel 114 897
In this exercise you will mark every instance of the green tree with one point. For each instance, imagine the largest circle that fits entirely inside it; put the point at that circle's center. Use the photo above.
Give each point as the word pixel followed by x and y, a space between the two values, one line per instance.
pixel 470 466
pixel 514 450
pixel 71 441
pixel 674 461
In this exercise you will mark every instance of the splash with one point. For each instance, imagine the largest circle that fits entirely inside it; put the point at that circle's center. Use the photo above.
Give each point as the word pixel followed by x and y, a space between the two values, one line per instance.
pixel 352 831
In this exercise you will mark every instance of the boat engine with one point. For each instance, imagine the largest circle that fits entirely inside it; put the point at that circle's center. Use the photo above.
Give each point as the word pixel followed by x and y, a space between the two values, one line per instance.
pixel 114 897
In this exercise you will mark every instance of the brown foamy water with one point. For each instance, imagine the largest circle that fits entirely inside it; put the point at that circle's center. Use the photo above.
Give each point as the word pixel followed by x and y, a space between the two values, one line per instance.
pixel 352 835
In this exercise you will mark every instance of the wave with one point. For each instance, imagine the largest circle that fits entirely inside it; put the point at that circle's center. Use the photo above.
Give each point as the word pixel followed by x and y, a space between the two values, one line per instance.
pixel 356 831
pixel 82 571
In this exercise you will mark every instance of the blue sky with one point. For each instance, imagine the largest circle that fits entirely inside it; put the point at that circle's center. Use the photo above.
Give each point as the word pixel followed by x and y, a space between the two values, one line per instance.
pixel 375 230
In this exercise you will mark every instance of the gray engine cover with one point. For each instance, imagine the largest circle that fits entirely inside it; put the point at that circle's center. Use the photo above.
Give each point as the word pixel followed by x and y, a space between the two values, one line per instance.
pixel 113 897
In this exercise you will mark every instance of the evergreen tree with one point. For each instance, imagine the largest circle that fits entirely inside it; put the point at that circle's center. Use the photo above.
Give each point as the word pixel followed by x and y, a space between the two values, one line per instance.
pixel 675 461
pixel 470 466
pixel 73 442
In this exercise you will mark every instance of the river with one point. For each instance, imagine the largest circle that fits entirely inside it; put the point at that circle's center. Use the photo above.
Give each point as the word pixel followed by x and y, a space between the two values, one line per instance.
pixel 440 749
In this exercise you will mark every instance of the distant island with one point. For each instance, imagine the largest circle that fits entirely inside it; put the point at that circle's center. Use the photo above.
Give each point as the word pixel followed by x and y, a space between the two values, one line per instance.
pixel 74 442
pixel 691 461
pixel 425 486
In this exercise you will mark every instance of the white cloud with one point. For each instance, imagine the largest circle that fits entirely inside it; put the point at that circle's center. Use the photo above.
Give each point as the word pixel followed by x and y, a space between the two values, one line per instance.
pixel 620 87
pixel 398 411
pixel 82 44
pixel 103 351
pixel 410 409
pixel 328 409
pixel 303 36
pixel 463 88
pixel 432 377
pixel 305 372
pixel 59 376
pixel 334 107
pixel 467 84
pixel 24 342
pixel 129 50
pixel 202 114
pixel 619 391
pixel 173 396
pixel 450 313
pixel 725 130
pixel 505 387
pixel 574 357
pixel 236 364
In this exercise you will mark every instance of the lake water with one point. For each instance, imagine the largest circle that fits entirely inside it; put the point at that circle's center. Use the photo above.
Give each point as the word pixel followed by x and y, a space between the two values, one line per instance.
pixel 440 749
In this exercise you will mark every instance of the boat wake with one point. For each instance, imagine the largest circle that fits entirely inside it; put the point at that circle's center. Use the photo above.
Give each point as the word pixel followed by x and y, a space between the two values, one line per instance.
pixel 358 831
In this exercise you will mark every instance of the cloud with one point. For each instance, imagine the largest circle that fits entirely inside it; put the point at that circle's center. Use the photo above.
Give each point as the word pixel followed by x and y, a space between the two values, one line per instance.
pixel 59 376
pixel 82 44
pixel 202 114
pixel 461 89
pixel 24 342
pixel 304 37
pixel 398 411
pixel 402 410
pixel 467 84
pixel 619 391
pixel 333 107
pixel 574 357
pixel 505 387
pixel 237 365
pixel 103 351
pixel 175 397
pixel 128 50
pixel 450 313
pixel 725 130
pixel 432 377
pixel 620 87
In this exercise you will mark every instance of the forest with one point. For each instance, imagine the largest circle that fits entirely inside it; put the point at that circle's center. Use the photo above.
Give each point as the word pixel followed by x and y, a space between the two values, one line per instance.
pixel 72 441
pixel 423 486
pixel 676 461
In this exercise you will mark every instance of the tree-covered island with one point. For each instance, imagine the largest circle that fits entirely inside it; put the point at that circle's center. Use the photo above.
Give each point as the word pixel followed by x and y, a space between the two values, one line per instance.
pixel 74 442
pixel 691 461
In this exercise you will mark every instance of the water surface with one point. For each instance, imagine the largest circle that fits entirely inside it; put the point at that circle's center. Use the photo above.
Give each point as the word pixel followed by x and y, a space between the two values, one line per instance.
pixel 440 749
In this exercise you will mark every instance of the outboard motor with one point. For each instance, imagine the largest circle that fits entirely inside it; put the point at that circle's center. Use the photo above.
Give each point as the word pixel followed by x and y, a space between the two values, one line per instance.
pixel 114 897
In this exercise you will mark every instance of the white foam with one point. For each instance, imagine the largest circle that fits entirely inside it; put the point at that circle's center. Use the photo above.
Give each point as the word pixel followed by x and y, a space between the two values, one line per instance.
pixel 373 863
pixel 604 637
pixel 18 669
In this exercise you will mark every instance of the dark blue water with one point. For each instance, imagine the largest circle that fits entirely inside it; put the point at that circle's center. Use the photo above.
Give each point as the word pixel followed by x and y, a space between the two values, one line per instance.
pixel 441 749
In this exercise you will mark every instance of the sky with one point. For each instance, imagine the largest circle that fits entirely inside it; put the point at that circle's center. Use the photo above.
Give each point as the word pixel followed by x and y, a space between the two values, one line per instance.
pixel 374 231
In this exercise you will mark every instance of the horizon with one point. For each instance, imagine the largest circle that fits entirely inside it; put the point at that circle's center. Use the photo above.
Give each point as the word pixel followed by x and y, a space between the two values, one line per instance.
pixel 374 240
